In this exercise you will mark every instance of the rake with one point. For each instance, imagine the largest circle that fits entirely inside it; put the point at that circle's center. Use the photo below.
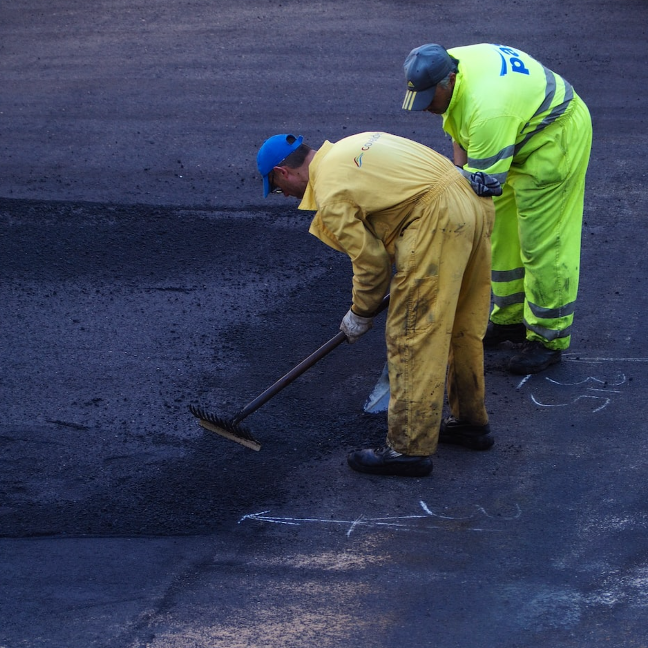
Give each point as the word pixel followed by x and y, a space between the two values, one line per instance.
pixel 232 429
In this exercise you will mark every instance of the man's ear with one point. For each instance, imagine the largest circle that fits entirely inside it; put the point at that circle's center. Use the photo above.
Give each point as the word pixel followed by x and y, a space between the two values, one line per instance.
pixel 281 171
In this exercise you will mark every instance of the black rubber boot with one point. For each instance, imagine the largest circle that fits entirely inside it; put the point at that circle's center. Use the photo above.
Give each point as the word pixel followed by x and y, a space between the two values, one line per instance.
pixel 475 437
pixel 385 461
pixel 498 333
pixel 535 357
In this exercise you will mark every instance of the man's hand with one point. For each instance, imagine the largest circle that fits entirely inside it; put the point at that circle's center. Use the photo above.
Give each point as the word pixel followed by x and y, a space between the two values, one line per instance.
pixel 354 326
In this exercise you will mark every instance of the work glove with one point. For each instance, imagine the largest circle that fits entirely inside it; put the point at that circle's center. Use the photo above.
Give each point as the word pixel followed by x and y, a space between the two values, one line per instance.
pixel 483 184
pixel 354 326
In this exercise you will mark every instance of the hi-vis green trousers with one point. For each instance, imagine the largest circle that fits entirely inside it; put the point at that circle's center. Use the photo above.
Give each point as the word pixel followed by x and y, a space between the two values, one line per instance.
pixel 537 233
pixel 438 313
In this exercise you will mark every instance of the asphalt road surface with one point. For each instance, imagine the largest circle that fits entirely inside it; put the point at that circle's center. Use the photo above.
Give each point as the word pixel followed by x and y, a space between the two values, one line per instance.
pixel 141 270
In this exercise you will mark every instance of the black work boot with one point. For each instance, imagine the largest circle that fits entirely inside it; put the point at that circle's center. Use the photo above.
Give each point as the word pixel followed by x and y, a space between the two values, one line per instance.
pixel 475 437
pixel 535 357
pixel 385 461
pixel 498 333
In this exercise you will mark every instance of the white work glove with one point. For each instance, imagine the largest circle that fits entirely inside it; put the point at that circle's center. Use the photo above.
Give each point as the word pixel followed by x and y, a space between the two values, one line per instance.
pixel 482 184
pixel 354 326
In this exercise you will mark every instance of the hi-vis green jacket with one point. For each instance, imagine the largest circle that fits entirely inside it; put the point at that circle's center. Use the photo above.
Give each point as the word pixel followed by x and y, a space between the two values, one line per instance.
pixel 502 99
pixel 365 189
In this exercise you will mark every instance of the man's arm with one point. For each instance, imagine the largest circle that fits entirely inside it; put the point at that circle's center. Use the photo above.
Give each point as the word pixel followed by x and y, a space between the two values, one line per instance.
pixel 371 263
pixel 460 156
pixel 482 184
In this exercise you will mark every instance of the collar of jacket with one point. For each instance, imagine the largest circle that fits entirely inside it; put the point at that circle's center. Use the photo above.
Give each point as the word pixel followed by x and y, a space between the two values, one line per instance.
pixel 309 201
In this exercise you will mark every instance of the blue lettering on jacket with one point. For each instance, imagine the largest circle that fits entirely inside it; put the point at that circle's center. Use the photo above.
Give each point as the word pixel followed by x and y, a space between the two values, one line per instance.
pixel 510 56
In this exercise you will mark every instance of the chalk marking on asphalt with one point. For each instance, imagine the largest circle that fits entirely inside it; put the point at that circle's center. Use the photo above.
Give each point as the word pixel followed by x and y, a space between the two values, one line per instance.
pixel 598 409
pixel 353 526
pixel 537 402
pixel 579 359
pixel 480 509
pixel 399 523
pixel 523 381
pixel 622 381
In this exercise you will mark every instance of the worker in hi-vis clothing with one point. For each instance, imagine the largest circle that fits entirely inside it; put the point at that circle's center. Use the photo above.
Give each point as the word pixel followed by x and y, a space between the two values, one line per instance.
pixel 514 119
pixel 393 204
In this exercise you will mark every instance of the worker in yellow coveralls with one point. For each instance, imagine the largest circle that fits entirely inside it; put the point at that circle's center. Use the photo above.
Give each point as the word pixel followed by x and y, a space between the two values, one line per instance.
pixel 415 227
pixel 513 118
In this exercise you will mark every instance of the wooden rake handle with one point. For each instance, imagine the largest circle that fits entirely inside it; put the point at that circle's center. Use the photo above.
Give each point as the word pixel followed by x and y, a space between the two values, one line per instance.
pixel 297 371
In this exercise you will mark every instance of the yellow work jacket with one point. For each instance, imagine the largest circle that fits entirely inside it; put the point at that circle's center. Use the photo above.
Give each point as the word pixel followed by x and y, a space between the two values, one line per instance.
pixel 501 100
pixel 364 189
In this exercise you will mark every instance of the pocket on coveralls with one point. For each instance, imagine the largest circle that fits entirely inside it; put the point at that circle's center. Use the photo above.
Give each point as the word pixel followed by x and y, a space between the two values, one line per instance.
pixel 421 305
pixel 415 283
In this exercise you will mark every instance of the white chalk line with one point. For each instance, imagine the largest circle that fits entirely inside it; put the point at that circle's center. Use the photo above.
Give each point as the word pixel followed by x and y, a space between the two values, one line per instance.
pixel 478 508
pixel 399 523
pixel 598 409
pixel 571 358
pixel 621 379
pixel 523 381
pixel 354 524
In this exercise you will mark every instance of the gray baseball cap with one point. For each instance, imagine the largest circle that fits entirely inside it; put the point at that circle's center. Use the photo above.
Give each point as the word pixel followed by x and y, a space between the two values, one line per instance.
pixel 424 67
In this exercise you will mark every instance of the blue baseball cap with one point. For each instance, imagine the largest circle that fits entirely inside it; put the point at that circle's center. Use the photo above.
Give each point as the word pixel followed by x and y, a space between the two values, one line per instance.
pixel 272 152
pixel 424 67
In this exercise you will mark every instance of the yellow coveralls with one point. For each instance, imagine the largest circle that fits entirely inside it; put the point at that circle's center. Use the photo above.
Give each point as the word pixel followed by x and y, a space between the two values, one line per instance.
pixel 525 125
pixel 385 200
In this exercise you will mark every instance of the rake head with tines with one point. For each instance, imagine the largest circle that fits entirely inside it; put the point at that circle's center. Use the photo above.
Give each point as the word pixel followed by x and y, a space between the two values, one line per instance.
pixel 230 429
